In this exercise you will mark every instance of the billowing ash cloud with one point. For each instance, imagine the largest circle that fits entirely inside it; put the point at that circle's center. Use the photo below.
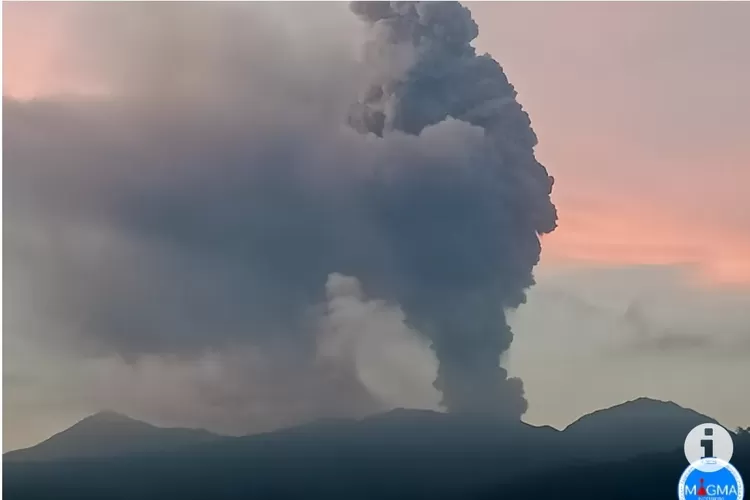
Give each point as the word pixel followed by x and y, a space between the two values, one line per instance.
pixel 466 255
pixel 217 201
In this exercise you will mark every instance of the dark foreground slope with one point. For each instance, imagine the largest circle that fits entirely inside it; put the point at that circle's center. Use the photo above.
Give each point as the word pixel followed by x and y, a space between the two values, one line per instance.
pixel 400 454
pixel 651 477
pixel 648 478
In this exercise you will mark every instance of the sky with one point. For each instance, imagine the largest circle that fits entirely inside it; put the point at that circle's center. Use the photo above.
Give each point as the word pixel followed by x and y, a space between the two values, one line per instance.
pixel 643 289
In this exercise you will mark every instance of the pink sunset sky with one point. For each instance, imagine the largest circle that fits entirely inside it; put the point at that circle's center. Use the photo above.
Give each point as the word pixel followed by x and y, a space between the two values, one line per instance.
pixel 642 113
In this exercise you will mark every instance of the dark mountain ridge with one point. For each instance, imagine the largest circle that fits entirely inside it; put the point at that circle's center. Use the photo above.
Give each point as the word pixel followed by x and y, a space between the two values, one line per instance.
pixel 398 454
pixel 643 426
pixel 109 434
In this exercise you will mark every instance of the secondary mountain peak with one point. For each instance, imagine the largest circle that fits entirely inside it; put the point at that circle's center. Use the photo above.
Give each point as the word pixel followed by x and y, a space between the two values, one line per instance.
pixel 641 409
pixel 643 425
pixel 109 416
pixel 106 434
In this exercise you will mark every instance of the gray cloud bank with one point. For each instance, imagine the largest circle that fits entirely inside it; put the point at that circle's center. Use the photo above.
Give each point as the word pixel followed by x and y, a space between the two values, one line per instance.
pixel 219 226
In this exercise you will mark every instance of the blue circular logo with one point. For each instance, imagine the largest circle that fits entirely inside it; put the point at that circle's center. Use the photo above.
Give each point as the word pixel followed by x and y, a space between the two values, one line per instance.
pixel 723 482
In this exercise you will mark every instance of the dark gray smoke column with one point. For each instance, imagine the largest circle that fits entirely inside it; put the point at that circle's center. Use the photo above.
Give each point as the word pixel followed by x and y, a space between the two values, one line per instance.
pixel 466 243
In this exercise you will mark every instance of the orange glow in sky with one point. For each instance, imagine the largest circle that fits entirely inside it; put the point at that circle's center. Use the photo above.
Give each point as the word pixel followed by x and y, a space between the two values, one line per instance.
pixel 38 54
pixel 624 236
pixel 38 63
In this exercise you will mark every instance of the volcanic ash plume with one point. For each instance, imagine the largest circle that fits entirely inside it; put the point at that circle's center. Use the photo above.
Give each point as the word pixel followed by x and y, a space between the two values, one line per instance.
pixel 468 240
pixel 215 208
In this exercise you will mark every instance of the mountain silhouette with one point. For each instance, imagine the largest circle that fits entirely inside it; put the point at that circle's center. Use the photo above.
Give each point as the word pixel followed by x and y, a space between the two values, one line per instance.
pixel 398 454
pixel 633 428
pixel 109 434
